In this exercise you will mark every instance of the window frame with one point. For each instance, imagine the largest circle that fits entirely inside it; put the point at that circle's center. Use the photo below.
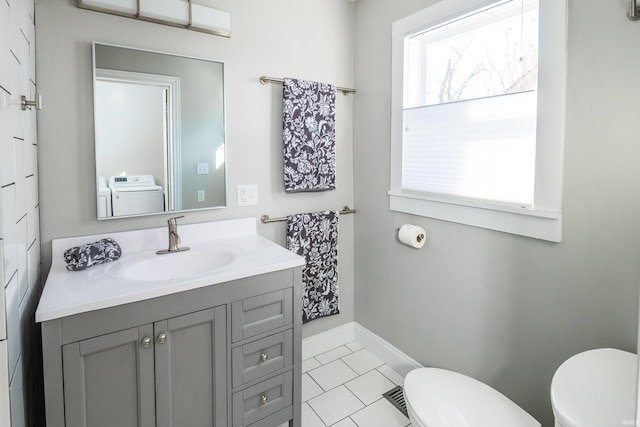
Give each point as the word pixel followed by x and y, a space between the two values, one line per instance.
pixel 544 219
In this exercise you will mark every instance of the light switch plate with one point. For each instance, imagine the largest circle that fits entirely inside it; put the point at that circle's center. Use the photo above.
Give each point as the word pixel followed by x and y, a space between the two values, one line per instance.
pixel 202 168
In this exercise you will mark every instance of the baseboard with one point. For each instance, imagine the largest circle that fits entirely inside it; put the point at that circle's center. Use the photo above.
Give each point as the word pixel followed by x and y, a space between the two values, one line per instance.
pixel 327 340
pixel 353 331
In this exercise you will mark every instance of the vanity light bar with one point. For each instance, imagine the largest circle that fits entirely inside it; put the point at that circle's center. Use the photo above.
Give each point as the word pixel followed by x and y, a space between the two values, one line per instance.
pixel 266 219
pixel 177 13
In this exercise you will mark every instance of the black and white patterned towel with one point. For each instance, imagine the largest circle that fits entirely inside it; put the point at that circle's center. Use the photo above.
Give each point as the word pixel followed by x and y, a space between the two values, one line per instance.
pixel 315 237
pixel 84 256
pixel 309 135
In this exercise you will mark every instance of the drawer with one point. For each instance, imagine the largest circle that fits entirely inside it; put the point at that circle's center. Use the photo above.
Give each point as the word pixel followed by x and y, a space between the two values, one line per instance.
pixel 263 399
pixel 262 357
pixel 260 314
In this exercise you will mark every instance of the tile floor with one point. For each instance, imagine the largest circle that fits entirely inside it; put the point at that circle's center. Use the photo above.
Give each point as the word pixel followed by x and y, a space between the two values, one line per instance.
pixel 343 388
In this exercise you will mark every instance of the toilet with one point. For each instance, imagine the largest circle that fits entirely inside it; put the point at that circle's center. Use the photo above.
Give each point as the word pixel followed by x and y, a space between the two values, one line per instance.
pixel 595 388
pixel 441 398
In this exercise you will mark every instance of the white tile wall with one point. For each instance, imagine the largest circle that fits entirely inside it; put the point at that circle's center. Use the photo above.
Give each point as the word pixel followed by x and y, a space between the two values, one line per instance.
pixel 9 231
pixel 23 273
pixel 5 419
pixel 7 167
pixel 5 70
pixel 3 316
pixel 19 218
pixel 16 397
pixel 13 324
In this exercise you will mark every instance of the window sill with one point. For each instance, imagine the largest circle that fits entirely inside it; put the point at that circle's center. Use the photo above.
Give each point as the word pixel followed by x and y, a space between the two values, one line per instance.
pixel 535 223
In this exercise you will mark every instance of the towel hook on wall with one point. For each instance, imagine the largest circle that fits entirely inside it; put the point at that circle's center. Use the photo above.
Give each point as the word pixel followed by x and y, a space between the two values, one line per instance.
pixel 634 11
pixel 35 103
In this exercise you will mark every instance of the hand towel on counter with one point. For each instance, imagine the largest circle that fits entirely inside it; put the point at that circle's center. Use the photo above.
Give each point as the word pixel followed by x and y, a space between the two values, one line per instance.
pixel 84 256
pixel 315 237
pixel 309 135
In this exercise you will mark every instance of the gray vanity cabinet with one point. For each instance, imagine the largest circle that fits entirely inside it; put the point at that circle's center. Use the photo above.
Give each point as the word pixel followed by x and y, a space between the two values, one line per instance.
pixel 225 355
pixel 107 372
pixel 191 365
pixel 162 374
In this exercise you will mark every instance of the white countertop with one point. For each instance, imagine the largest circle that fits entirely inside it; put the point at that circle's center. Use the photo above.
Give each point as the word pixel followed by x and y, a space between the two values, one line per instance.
pixel 72 292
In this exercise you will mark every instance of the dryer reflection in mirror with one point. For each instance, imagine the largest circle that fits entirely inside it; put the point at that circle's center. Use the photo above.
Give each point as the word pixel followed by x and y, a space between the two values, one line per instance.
pixel 135 195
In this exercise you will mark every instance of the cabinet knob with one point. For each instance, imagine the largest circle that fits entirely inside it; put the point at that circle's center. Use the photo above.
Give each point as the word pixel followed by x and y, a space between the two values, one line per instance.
pixel 146 342
pixel 263 399
pixel 162 338
pixel 263 357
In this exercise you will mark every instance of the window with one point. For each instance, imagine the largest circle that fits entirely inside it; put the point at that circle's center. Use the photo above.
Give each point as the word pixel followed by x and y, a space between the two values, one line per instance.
pixel 478 114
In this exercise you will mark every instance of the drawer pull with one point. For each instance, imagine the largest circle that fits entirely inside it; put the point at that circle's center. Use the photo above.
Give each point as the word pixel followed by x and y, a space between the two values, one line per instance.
pixel 146 342
pixel 263 399
pixel 162 338
pixel 263 357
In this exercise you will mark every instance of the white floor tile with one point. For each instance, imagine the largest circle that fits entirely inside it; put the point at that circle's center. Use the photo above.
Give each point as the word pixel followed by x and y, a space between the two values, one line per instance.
pixel 310 418
pixel 336 405
pixel 332 355
pixel 347 422
pixel 309 364
pixel 362 361
pixel 333 374
pixel 338 385
pixel 380 414
pixel 369 387
pixel 354 346
pixel 310 388
pixel 395 377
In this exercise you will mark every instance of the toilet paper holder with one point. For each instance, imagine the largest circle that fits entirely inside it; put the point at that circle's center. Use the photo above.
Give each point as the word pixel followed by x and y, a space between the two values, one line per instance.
pixel 411 235
pixel 420 237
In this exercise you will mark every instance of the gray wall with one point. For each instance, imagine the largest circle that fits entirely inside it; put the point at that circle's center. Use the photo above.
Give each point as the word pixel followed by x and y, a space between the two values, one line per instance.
pixel 505 309
pixel 310 39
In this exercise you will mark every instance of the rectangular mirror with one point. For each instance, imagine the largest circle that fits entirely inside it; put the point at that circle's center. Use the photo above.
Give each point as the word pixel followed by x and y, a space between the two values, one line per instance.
pixel 159 132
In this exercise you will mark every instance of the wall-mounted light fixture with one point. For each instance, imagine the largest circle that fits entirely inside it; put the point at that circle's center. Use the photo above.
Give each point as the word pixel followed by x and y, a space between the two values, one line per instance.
pixel 177 13
pixel 634 11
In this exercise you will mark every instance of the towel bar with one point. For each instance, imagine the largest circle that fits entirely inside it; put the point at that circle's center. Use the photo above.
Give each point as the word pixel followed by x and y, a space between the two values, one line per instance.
pixel 264 80
pixel 266 219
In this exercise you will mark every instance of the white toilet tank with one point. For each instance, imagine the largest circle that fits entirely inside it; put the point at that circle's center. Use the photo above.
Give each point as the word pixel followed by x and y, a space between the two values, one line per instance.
pixel 441 398
pixel 596 388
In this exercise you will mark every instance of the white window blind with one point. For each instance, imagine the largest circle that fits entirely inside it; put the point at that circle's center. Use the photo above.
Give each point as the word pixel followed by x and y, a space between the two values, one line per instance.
pixel 481 149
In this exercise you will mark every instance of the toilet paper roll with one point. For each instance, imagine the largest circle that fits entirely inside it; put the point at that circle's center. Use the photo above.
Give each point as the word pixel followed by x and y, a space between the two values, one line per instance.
pixel 412 235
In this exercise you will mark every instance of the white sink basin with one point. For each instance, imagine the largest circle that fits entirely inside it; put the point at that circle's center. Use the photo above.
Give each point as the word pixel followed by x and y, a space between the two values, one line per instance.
pixel 153 267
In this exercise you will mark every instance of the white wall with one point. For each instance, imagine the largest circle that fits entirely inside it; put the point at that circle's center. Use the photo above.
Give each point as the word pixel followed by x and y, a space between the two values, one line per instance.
pixel 131 134
pixel 509 310
pixel 310 39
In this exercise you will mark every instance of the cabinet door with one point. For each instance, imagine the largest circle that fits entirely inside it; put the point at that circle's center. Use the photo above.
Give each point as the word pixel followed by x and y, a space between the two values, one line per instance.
pixel 108 380
pixel 191 380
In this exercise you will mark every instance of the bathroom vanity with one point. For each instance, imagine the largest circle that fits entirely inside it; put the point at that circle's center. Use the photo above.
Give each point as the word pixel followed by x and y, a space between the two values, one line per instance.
pixel 208 346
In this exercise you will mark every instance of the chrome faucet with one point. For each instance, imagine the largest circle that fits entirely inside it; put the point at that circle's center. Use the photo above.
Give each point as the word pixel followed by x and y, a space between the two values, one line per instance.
pixel 174 237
